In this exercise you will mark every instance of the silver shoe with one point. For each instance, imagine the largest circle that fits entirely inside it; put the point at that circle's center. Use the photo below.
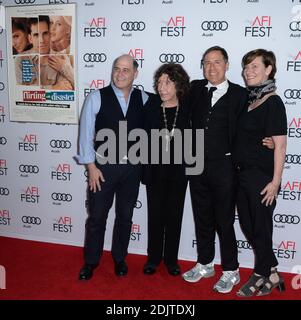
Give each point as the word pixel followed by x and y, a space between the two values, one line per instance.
pixel 198 272
pixel 227 281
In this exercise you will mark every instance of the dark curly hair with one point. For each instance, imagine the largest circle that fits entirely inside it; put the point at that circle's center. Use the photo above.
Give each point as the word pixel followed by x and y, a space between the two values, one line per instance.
pixel 176 74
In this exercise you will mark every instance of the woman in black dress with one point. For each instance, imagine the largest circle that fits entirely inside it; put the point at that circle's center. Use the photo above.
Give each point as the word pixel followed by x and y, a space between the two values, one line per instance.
pixel 166 183
pixel 259 168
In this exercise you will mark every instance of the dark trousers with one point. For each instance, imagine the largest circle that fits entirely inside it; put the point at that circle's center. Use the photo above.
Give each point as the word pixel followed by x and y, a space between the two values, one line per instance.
pixel 165 203
pixel 213 205
pixel 121 181
pixel 256 219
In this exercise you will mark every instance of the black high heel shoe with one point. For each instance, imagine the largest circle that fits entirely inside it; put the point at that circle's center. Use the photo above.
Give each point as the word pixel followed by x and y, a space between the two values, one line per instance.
pixel 268 286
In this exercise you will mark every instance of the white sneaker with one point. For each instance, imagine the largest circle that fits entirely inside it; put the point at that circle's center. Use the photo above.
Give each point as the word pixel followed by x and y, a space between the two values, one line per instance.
pixel 198 272
pixel 227 281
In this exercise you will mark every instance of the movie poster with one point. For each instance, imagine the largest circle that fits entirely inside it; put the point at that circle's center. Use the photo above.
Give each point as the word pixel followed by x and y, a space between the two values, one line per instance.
pixel 42 63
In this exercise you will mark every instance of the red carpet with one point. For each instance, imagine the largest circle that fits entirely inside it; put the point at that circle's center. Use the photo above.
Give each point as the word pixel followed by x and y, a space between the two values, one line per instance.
pixel 43 271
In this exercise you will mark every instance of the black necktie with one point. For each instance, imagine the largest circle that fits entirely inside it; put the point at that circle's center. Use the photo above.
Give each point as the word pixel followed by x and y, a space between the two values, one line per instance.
pixel 210 93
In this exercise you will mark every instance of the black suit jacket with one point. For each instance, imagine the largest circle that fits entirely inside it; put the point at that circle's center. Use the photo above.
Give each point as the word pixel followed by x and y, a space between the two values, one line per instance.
pixel 153 121
pixel 236 97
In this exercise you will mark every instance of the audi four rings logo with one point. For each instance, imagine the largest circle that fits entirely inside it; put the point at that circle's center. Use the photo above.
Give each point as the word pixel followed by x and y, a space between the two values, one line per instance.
pixel 138 86
pixel 60 144
pixel 61 197
pixel 24 1
pixel 138 204
pixel 172 57
pixel 31 220
pixel 286 218
pixel 243 244
pixel 214 25
pixel 3 141
pixel 295 25
pixel 4 191
pixel 28 168
pixel 95 57
pixel 292 94
pixel 293 159
pixel 133 26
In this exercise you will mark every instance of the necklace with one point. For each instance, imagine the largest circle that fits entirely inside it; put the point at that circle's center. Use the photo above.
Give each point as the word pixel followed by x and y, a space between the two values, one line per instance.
pixel 169 134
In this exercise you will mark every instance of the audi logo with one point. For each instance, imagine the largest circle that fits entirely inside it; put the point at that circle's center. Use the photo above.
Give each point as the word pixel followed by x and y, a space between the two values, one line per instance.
pixel 172 57
pixel 24 1
pixel 1 30
pixel 28 168
pixel 138 204
pixel 95 57
pixel 138 86
pixel 292 94
pixel 2 86
pixel 133 26
pixel 61 197
pixel 241 244
pixel 214 25
pixel 3 141
pixel 293 159
pixel 4 191
pixel 295 25
pixel 60 144
pixel 286 218
pixel 31 220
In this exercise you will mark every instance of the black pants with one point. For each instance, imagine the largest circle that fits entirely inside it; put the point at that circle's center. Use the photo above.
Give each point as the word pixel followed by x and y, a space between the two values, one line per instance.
pixel 121 181
pixel 213 205
pixel 165 203
pixel 256 219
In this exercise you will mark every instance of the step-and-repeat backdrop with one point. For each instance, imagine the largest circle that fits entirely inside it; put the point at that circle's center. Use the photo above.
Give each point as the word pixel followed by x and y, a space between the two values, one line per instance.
pixel 43 189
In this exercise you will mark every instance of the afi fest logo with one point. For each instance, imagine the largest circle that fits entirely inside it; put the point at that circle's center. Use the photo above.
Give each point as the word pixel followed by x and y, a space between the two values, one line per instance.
pixel 135 232
pixel 2 114
pixel 175 27
pixel 94 85
pixel 286 250
pixel 294 128
pixel 260 27
pixel 3 167
pixel 295 63
pixel 97 28
pixel 62 172
pixel 30 195
pixel 1 52
pixel 291 190
pixel 29 143
pixel 4 217
pixel 63 224
pixel 137 54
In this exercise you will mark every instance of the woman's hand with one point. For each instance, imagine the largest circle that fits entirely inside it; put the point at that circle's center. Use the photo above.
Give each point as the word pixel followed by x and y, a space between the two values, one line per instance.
pixel 270 193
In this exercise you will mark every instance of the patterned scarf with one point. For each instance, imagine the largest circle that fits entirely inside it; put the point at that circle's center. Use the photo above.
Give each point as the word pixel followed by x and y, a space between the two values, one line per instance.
pixel 257 92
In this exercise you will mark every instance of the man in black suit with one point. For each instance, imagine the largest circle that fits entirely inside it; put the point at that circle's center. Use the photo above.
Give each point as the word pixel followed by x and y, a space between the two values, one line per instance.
pixel 215 103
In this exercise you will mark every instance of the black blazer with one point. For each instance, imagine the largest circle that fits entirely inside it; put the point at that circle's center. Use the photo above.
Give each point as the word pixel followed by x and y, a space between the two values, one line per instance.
pixel 153 121
pixel 236 97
